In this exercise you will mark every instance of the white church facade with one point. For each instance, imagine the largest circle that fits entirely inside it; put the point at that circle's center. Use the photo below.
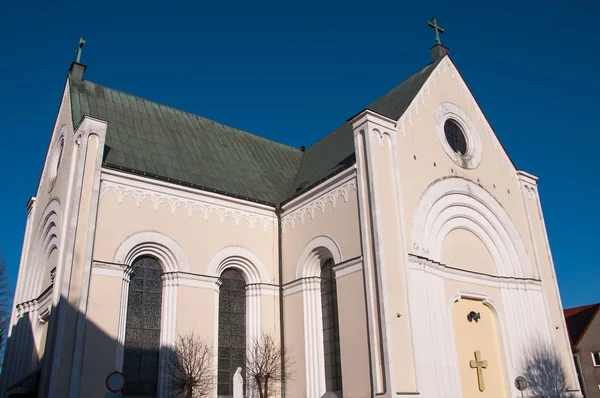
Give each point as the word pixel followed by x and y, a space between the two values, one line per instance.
pixel 403 254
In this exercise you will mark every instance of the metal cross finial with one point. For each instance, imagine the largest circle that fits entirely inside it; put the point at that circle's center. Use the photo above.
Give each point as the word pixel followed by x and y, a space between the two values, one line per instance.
pixel 438 30
pixel 80 48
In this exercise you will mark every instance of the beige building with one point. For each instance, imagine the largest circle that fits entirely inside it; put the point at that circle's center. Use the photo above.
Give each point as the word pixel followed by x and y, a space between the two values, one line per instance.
pixel 403 254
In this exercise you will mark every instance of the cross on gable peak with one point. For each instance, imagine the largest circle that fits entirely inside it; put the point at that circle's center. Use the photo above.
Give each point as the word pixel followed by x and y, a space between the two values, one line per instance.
pixel 438 29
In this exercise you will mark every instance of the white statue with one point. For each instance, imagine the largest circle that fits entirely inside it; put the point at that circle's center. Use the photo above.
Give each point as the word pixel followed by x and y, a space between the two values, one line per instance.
pixel 238 384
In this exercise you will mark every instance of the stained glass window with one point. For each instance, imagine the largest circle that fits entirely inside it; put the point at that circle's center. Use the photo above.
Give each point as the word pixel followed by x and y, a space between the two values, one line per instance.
pixel 142 331
pixel 232 329
pixel 455 137
pixel 331 329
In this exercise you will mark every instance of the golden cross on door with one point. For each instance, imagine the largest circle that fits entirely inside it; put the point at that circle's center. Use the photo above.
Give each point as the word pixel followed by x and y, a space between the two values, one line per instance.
pixel 480 365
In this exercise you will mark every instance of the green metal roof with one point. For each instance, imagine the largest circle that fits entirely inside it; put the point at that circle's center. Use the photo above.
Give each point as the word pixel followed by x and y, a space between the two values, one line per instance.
pixel 157 140
pixel 148 138
pixel 335 152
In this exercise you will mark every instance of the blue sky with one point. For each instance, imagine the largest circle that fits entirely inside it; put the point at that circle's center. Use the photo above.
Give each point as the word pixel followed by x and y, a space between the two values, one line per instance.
pixel 293 71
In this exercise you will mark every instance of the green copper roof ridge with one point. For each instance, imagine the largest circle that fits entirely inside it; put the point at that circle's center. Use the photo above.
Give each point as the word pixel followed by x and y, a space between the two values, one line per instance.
pixel 237 130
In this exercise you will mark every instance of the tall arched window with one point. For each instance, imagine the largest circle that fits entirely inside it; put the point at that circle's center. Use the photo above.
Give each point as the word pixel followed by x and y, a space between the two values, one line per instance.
pixel 142 330
pixel 232 329
pixel 331 329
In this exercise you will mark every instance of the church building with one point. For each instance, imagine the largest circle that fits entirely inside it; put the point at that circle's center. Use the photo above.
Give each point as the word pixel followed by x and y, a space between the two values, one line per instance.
pixel 402 255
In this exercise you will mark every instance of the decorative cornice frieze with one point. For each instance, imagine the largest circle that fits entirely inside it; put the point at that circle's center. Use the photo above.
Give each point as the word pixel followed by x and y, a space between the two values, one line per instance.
pixel 143 192
pixel 442 270
pixel 319 203
pixel 446 67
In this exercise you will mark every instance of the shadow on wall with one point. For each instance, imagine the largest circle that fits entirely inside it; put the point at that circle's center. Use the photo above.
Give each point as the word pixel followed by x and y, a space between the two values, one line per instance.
pixel 27 375
pixel 544 371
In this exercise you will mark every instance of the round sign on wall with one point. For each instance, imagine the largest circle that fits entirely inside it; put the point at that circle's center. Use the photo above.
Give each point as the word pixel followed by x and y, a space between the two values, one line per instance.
pixel 521 383
pixel 115 382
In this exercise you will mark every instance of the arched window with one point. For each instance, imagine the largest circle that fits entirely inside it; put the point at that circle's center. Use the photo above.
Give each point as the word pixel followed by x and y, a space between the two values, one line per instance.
pixel 142 330
pixel 232 329
pixel 331 329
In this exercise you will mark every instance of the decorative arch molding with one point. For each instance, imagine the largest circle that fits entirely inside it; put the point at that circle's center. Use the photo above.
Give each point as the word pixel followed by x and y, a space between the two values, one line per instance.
pixel 172 260
pixel 242 259
pixel 314 254
pixel 453 203
pixel 155 244
pixel 308 270
pixel 500 329
pixel 45 241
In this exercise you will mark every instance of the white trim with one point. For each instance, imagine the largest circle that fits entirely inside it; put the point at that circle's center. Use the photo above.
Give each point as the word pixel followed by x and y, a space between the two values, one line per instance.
pixel 368 268
pixel 325 186
pixel 56 157
pixel 452 203
pixel 198 281
pixel 314 254
pixel 375 126
pixel 328 192
pixel 596 364
pixel 242 259
pixel 172 260
pixel 47 236
pixel 152 243
pixel 175 189
pixel 158 192
pixel 348 267
pixel 446 111
pixel 292 287
pixel 257 281
pixel 125 279
pixel 308 271
pixel 437 268
pixel 108 269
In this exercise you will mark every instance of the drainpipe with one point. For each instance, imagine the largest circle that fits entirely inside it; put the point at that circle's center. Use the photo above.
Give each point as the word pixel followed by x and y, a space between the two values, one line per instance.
pixel 580 373
pixel 281 328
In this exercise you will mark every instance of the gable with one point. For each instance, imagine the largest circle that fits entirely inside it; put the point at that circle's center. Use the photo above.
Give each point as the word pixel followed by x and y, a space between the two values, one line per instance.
pixel 578 320
pixel 335 152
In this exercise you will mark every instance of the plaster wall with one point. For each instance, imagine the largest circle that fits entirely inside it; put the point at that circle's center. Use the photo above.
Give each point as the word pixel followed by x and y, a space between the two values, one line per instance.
pixel 589 343
pixel 44 235
pixel 463 249
pixel 200 236
pixel 353 336
pixel 422 159
pixel 294 329
pixel 391 255
pixel 547 274
pixel 423 162
pixel 481 336
pixel 101 334
pixel 339 222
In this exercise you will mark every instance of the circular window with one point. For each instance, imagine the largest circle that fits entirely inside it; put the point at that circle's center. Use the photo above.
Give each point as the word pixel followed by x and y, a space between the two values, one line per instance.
pixel 455 137
pixel 458 135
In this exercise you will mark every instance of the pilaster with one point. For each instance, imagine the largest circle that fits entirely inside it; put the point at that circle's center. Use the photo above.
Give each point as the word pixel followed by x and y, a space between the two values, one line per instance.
pixel 61 373
pixel 384 254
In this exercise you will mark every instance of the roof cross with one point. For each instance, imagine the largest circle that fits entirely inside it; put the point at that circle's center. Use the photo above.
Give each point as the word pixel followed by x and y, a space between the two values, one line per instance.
pixel 438 30
pixel 80 48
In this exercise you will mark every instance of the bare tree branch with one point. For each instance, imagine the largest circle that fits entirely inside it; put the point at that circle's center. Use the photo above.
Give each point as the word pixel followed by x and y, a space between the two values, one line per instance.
pixel 264 367
pixel 5 296
pixel 191 368
pixel 544 371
